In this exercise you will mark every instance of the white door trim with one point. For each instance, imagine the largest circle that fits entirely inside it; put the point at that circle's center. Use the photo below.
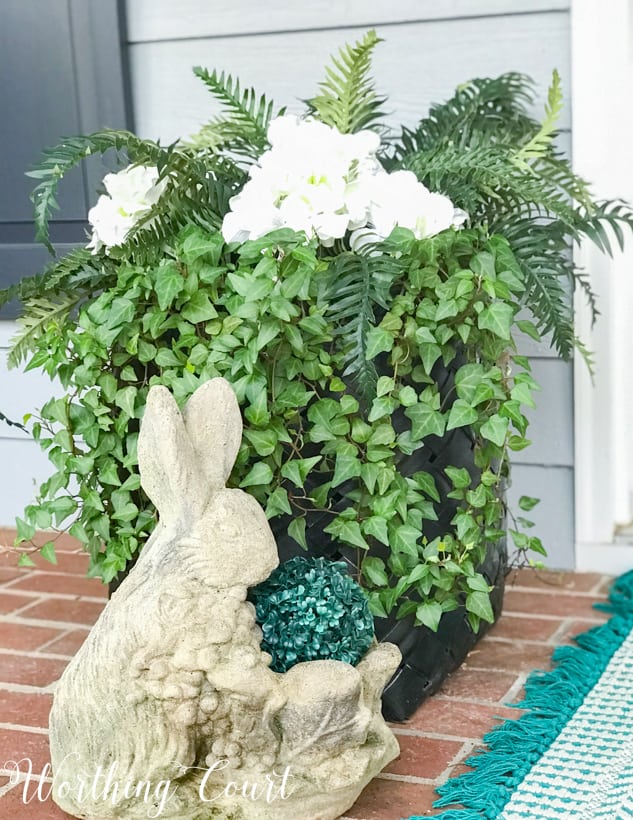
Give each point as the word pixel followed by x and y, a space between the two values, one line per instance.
pixel 602 146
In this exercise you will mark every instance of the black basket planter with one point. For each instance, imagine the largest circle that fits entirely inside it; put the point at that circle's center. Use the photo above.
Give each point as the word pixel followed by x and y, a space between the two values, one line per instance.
pixel 427 657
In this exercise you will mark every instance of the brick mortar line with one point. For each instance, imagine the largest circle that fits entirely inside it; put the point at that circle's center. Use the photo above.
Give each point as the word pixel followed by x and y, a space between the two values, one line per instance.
pixel 51 596
pixel 27 688
pixel 494 669
pixel 430 735
pixel 558 591
pixel 61 625
pixel 18 727
pixel 407 778
pixel 597 589
pixel 491 704
pixel 51 656
pixel 38 573
pixel 555 640
pixel 516 687
pixel 545 617
pixel 465 752
pixel 54 640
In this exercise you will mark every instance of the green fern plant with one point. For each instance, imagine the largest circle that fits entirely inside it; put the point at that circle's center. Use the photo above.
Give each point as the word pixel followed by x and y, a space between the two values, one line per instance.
pixel 347 99
pixel 243 127
pixel 484 150
pixel 357 286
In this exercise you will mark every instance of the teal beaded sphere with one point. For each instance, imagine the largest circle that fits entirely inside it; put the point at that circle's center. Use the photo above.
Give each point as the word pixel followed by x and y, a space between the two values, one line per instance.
pixel 311 609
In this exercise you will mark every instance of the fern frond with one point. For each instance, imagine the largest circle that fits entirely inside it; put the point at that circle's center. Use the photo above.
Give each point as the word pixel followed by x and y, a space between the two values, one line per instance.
pixel 243 127
pixel 347 99
pixel 543 253
pixel 77 269
pixel 57 161
pixel 356 285
pixel 482 112
pixel 12 423
pixel 581 282
pixel 587 356
pixel 192 194
pixel 38 315
pixel 612 214
pixel 539 145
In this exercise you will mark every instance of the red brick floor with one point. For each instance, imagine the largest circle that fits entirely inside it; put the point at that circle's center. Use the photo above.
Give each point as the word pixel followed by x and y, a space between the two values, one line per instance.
pixel 45 613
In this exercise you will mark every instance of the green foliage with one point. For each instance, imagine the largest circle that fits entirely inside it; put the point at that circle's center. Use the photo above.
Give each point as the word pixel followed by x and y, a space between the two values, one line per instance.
pixel 485 152
pixel 334 356
pixel 347 98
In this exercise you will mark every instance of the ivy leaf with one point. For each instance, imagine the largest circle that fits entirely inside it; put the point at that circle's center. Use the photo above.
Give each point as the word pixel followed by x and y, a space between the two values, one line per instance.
pixel 347 531
pixel 297 530
pixel 521 393
pixel 168 284
pixel 385 385
pixel 529 328
pixel 48 552
pixel 461 414
pixel 125 399
pixel 429 614
pixel 374 570
pixel 405 540
pixel 425 421
pixel 347 465
pixel 497 318
pixel 495 429
pixel 429 354
pixel 120 312
pixel 467 380
pixel 479 604
pixel 200 243
pixel 378 341
pixel 527 503
pixel 25 560
pixel 198 308
pixel 478 584
pixel 377 526
pixel 278 503
pixel 298 469
pixel 260 473
pixel 426 483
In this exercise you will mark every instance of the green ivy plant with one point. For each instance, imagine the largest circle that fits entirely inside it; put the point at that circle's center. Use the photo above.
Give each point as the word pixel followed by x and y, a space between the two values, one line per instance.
pixel 333 354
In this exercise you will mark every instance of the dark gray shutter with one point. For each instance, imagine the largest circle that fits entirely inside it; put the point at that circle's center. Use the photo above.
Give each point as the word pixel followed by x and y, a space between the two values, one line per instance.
pixel 62 73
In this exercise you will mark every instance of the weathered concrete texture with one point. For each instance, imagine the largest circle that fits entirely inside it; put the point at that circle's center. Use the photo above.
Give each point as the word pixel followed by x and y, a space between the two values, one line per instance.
pixel 170 708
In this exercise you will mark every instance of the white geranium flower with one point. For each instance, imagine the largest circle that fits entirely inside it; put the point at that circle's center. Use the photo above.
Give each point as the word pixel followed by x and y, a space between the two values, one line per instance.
pixel 309 181
pixel 131 194
pixel 400 199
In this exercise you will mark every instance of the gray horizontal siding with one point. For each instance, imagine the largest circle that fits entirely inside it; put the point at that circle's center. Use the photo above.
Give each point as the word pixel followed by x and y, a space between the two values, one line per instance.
pixel 418 64
pixel 554 516
pixel 187 19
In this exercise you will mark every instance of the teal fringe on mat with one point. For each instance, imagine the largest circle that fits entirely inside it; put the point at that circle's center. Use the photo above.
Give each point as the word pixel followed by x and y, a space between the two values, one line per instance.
pixel 551 699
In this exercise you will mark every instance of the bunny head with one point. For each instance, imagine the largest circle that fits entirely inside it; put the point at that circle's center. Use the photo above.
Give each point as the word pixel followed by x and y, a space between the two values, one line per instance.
pixel 185 460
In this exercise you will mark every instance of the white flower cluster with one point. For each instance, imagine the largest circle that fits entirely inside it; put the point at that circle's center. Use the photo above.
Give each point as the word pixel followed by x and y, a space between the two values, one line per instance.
pixel 131 194
pixel 317 180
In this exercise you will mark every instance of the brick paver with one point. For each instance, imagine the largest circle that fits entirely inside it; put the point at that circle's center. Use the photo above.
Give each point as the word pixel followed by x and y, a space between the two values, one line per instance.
pixel 45 615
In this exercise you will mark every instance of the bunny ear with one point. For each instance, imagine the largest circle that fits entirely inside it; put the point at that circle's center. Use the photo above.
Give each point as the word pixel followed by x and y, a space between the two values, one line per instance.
pixel 166 459
pixel 214 426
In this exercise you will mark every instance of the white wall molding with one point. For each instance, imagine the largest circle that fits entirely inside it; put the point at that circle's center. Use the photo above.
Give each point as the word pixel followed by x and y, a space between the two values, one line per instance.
pixel 602 129
pixel 610 559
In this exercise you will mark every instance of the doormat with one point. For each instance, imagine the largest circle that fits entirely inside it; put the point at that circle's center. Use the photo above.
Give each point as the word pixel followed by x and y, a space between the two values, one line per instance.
pixel 571 754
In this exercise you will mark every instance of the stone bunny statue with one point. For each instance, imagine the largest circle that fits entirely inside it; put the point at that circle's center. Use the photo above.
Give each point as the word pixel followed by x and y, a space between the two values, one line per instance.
pixel 170 709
